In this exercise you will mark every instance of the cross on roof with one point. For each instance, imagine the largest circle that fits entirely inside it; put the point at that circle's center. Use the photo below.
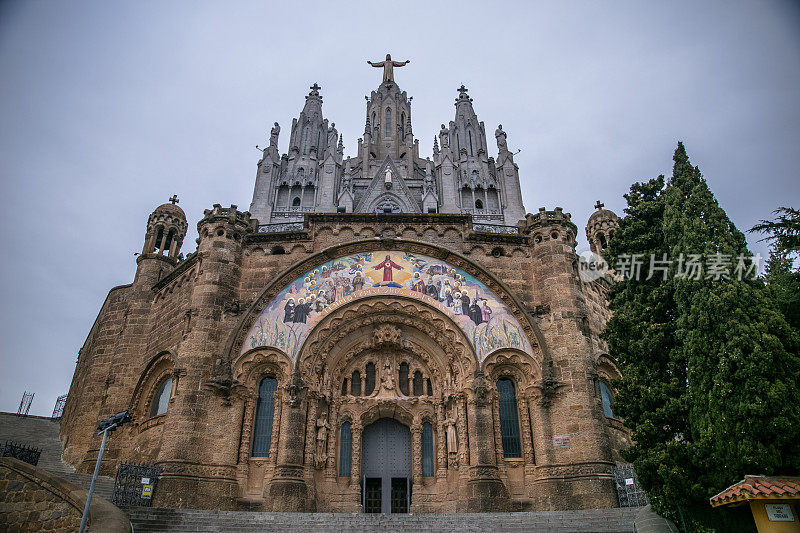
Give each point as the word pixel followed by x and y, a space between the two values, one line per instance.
pixel 598 205
pixel 315 87
pixel 462 90
pixel 174 199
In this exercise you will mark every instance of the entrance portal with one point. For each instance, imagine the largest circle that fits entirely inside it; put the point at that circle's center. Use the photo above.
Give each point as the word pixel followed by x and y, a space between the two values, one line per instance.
pixel 386 468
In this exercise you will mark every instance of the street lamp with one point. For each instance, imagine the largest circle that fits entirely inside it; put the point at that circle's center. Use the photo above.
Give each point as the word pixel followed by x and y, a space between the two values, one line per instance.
pixel 105 427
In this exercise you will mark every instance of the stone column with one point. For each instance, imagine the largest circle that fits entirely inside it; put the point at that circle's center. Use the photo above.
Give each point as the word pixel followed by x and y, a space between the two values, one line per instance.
pixel 311 431
pixel 276 423
pixel 526 420
pixel 461 422
pixel 247 430
pixel 485 490
pixel 334 436
pixel 416 453
pixel 355 460
pixel 441 445
pixel 288 491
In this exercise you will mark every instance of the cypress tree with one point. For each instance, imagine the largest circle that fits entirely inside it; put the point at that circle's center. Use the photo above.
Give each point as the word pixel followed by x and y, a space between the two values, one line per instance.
pixel 710 367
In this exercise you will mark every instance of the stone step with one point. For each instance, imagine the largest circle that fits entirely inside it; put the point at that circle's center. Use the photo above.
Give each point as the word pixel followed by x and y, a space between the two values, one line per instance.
pixel 43 433
pixel 168 520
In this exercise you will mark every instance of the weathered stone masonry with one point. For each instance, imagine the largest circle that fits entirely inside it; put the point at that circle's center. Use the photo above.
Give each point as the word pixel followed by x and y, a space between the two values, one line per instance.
pixel 178 335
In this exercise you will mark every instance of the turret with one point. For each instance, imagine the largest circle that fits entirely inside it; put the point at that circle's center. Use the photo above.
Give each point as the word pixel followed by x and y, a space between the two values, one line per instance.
pixel 166 228
pixel 600 228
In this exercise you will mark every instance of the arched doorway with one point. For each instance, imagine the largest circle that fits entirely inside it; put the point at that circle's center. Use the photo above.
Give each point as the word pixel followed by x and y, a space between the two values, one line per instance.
pixel 386 467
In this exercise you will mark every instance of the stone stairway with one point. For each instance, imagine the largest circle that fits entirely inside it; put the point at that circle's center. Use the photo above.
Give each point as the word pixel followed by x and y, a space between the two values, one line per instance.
pixel 187 520
pixel 43 434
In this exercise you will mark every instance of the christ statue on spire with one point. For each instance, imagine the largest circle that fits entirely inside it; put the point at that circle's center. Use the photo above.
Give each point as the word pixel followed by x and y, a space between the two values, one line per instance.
pixel 388 66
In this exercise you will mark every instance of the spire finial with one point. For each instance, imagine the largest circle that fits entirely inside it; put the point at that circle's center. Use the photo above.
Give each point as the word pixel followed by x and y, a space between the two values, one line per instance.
pixel 174 199
pixel 462 95
pixel 315 89
pixel 599 205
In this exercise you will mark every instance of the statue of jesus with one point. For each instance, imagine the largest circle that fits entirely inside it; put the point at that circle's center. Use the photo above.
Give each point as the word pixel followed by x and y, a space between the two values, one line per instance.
pixel 388 67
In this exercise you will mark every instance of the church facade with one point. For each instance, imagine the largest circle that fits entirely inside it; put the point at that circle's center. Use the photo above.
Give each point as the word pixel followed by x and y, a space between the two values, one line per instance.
pixel 379 333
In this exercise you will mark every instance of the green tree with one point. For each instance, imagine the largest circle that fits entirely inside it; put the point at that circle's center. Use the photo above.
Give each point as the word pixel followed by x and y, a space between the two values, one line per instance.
pixel 782 276
pixel 710 366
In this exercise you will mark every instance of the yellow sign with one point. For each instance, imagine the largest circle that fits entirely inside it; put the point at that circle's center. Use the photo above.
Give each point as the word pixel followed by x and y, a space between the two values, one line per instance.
pixel 147 491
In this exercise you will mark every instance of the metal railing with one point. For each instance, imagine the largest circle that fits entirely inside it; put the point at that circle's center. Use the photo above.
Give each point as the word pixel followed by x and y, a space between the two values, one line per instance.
pixel 492 228
pixel 281 227
pixel 23 452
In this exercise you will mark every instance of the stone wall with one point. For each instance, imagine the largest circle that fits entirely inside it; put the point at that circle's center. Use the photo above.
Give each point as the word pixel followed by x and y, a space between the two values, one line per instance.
pixel 34 500
pixel 184 320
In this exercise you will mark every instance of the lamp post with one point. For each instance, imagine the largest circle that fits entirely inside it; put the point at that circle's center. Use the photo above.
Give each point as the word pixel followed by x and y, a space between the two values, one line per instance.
pixel 103 428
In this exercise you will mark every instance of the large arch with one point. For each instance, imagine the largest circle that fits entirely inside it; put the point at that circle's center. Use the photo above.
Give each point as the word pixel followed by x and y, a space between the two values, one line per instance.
pixel 237 337
pixel 367 325
pixel 269 324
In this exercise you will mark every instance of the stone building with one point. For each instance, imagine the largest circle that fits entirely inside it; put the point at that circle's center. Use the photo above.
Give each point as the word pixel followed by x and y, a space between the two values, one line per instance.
pixel 379 332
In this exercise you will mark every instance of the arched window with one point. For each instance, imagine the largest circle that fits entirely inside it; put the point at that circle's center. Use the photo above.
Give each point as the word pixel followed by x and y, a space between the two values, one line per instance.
pixel 265 411
pixel 403 378
pixel 403 126
pixel 602 239
pixel 387 125
pixel 373 119
pixel 469 132
pixel 417 383
pixel 509 421
pixel 369 379
pixel 607 397
pixel 345 450
pixel 355 383
pixel 427 449
pixel 296 201
pixel 161 398
pixel 159 237
pixel 478 204
pixel 344 387
pixel 430 388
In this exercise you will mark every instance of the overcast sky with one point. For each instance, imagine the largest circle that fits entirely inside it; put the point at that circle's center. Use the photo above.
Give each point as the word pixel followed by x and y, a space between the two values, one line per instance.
pixel 108 108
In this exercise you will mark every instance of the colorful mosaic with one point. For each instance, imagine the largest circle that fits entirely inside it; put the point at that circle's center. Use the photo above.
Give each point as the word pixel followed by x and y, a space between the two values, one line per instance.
pixel 294 312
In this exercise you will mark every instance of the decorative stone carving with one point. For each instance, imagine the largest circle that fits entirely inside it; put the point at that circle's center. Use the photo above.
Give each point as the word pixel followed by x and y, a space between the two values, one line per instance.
pixel 386 334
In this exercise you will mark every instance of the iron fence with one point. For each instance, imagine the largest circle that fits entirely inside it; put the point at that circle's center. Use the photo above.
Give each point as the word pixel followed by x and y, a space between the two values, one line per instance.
pixel 58 410
pixel 23 452
pixel 629 492
pixel 25 403
pixel 135 484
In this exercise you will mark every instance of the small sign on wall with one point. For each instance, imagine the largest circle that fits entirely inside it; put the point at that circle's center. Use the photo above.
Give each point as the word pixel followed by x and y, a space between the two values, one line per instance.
pixel 628 481
pixel 147 491
pixel 562 442
pixel 779 512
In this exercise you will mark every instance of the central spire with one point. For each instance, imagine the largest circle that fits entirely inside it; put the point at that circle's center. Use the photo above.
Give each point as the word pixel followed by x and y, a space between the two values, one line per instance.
pixel 388 66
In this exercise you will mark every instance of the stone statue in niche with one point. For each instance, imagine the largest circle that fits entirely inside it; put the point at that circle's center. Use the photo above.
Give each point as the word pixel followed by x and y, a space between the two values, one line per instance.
pixel 387 379
pixel 452 441
pixel 322 440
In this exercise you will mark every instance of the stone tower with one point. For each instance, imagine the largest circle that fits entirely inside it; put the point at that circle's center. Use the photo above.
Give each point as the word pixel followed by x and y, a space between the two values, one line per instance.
pixel 600 228
pixel 166 228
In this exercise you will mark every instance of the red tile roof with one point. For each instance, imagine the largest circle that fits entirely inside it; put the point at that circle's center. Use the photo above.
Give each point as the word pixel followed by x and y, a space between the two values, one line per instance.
pixel 759 488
